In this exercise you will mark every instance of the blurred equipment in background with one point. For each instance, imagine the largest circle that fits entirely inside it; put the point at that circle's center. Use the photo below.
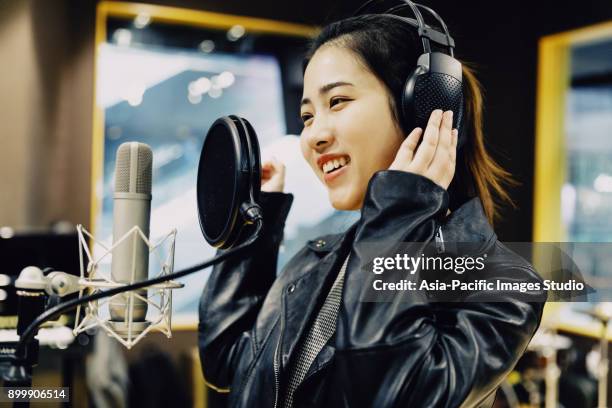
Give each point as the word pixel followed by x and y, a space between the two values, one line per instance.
pixel 546 343
pixel 558 370
pixel 40 248
pixel 602 312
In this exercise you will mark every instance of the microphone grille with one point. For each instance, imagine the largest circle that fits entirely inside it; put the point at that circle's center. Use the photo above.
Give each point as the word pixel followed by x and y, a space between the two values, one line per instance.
pixel 133 168
pixel 122 169
pixel 145 168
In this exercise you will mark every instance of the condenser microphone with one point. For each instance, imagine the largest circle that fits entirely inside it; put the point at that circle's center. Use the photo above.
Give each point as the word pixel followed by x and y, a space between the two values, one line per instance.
pixel 132 208
pixel 229 181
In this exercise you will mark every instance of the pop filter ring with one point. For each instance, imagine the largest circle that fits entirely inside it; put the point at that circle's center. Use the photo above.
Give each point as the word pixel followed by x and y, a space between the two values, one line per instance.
pixel 247 176
pixel 254 160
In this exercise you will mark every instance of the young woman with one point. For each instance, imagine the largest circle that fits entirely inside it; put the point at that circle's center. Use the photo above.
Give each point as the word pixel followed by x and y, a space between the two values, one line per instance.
pixel 307 338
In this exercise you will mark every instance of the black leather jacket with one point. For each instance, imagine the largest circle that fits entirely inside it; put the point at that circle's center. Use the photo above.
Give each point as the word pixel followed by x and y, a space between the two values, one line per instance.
pixel 408 353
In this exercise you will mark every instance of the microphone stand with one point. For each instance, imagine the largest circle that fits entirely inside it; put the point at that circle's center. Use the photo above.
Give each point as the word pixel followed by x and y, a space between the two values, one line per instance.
pixel 26 351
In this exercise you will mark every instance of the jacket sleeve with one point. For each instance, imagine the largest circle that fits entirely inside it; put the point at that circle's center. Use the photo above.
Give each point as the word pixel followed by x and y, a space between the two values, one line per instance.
pixel 407 350
pixel 234 294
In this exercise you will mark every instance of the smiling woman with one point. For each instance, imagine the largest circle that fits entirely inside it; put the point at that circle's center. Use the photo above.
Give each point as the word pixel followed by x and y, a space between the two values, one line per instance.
pixel 314 336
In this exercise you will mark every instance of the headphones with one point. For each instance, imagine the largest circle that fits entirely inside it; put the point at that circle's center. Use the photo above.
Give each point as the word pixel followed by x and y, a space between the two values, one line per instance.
pixel 437 80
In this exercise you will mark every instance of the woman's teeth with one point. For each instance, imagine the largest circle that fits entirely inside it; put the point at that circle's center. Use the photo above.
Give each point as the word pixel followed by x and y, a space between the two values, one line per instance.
pixel 332 165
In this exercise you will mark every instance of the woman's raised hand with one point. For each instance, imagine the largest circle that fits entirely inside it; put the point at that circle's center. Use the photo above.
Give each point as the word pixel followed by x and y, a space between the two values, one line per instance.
pixel 272 176
pixel 436 156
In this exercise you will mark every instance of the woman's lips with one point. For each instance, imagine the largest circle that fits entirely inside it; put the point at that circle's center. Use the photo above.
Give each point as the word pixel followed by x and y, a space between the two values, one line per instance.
pixel 329 177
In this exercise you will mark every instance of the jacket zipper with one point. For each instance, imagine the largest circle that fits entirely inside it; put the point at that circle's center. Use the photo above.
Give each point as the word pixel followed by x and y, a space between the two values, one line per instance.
pixel 277 362
pixel 276 374
pixel 440 240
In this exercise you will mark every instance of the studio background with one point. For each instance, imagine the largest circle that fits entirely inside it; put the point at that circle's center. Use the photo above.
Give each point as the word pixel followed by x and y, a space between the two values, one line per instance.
pixel 47 87
pixel 46 112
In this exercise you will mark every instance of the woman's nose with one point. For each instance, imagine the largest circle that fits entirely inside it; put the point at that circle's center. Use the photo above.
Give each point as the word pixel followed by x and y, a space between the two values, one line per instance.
pixel 321 136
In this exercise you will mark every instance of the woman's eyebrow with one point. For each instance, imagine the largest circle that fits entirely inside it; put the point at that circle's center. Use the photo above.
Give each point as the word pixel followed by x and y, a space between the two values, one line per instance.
pixel 326 88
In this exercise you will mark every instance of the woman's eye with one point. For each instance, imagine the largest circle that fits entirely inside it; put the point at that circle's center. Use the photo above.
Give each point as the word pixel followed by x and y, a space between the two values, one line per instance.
pixel 335 101
pixel 306 118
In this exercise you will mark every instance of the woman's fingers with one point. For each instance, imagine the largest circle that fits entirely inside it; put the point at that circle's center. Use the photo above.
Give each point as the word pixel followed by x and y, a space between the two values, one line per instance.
pixel 439 165
pixel 272 166
pixel 446 129
pixel 453 148
pixel 279 168
pixel 427 149
pixel 451 160
pixel 406 151
pixel 435 157
pixel 272 175
pixel 266 170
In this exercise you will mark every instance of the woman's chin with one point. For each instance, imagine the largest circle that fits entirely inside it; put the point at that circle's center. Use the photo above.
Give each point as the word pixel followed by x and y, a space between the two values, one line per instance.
pixel 344 202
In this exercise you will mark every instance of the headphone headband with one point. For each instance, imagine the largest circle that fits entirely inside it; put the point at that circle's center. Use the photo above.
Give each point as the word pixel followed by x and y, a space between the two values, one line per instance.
pixel 425 32
pixel 430 33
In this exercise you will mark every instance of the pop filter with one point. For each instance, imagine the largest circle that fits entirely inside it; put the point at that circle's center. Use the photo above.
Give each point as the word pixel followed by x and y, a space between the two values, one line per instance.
pixel 229 180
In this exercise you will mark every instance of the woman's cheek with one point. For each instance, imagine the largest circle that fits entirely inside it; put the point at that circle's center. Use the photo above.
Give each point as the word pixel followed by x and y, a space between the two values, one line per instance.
pixel 304 147
pixel 307 153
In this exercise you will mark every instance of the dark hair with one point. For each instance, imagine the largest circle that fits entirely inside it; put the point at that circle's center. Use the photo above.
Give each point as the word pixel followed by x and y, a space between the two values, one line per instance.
pixel 389 49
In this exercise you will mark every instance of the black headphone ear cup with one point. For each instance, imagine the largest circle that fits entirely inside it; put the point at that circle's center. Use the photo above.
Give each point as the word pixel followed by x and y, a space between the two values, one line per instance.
pixel 425 92
pixel 425 100
pixel 407 105
pixel 437 91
